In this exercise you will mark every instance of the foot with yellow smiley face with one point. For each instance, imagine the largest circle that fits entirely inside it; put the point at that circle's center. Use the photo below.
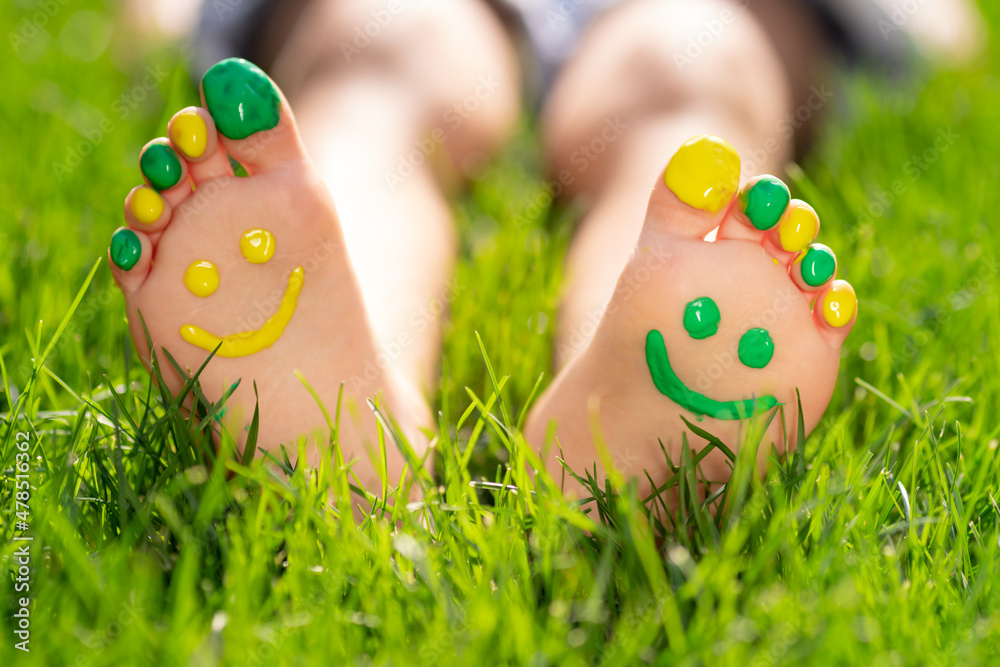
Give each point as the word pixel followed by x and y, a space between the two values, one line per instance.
pixel 255 270
pixel 718 332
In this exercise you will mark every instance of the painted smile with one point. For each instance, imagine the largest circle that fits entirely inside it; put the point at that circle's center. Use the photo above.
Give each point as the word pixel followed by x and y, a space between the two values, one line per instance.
pixel 672 387
pixel 250 342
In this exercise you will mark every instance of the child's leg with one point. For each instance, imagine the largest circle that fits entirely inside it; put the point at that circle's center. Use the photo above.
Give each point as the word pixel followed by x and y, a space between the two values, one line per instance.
pixel 269 270
pixel 642 101
pixel 633 94
pixel 387 122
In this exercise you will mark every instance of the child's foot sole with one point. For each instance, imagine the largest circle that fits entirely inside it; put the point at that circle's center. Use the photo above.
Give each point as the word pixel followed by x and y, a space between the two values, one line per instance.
pixel 254 269
pixel 712 332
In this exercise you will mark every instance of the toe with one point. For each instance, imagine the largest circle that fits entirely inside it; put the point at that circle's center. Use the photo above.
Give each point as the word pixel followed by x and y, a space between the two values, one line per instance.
pixel 696 189
pixel 835 311
pixel 130 256
pixel 797 228
pixel 762 203
pixel 813 268
pixel 146 209
pixel 165 170
pixel 193 134
pixel 254 121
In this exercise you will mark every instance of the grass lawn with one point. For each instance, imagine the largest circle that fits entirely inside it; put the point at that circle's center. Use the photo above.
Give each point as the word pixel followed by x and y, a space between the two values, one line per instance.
pixel 876 544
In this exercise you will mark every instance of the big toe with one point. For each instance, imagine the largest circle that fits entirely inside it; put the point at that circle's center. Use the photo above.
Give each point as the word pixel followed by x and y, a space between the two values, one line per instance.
pixel 696 189
pixel 254 120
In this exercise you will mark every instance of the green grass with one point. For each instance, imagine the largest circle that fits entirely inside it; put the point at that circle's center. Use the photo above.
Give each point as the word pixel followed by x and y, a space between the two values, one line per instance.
pixel 876 544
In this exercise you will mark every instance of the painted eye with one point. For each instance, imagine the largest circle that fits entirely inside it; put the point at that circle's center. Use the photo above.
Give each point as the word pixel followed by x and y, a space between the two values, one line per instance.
pixel 202 278
pixel 756 348
pixel 257 245
pixel 701 318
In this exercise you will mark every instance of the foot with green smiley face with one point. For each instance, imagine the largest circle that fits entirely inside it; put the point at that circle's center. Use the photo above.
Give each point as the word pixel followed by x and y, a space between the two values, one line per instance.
pixel 255 269
pixel 716 332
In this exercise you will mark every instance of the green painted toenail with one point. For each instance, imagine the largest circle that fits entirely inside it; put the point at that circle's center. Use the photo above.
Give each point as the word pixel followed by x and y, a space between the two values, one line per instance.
pixel 241 99
pixel 765 202
pixel 818 264
pixel 125 249
pixel 756 348
pixel 701 318
pixel 160 165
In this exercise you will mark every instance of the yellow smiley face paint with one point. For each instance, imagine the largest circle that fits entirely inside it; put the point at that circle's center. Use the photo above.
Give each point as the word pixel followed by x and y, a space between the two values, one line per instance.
pixel 202 278
pixel 839 304
pixel 189 134
pixel 257 245
pixel 251 342
pixel 146 205
pixel 704 173
pixel 798 229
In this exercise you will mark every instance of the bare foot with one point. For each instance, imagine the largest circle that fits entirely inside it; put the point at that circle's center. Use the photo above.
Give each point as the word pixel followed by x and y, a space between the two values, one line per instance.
pixel 714 332
pixel 257 267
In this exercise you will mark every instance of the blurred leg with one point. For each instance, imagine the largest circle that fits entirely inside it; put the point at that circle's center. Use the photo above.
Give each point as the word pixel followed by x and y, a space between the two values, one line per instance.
pixel 647 76
pixel 391 118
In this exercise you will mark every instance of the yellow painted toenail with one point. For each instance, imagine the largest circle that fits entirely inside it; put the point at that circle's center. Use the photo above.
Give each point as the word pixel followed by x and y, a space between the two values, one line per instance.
pixel 146 205
pixel 840 304
pixel 798 229
pixel 257 245
pixel 189 134
pixel 202 278
pixel 704 173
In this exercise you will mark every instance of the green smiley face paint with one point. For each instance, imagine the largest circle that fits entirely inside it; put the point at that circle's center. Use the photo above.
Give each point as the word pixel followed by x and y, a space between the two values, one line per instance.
pixel 818 265
pixel 672 387
pixel 765 202
pixel 159 163
pixel 701 318
pixel 241 99
pixel 756 348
